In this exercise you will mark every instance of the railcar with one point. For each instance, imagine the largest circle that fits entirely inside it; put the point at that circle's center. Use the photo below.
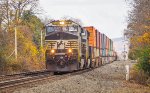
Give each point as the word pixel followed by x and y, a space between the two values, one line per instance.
pixel 70 47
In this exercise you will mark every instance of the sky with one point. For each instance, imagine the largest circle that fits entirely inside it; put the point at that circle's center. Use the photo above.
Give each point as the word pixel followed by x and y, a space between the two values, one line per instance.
pixel 108 16
pixel 119 46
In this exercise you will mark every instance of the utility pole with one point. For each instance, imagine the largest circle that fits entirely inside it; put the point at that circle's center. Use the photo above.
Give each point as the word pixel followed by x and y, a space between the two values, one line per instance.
pixel 41 39
pixel 15 42
pixel 124 54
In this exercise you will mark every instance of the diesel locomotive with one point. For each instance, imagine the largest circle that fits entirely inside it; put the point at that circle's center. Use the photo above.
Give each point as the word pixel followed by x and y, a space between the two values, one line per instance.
pixel 70 47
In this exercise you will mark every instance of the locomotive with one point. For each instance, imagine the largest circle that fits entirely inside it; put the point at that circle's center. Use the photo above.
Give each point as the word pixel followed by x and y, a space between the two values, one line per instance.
pixel 70 47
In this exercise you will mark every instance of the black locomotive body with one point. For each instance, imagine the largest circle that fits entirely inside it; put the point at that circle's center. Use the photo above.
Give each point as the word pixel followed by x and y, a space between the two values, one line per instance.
pixel 64 40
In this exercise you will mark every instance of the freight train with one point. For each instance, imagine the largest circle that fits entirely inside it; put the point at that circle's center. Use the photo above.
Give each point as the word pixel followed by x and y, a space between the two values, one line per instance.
pixel 70 47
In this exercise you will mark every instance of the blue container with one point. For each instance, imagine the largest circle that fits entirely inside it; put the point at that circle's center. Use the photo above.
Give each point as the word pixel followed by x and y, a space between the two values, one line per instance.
pixel 104 44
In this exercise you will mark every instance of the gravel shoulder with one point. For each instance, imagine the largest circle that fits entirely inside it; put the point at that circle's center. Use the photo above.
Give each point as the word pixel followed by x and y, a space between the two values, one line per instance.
pixel 105 79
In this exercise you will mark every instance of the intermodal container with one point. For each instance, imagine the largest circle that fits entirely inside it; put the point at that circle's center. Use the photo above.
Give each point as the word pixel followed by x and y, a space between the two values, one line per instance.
pixel 107 45
pixel 97 40
pixel 92 37
pixel 100 36
pixel 102 41
pixel 104 45
pixel 106 42
pixel 97 44
pixel 90 52
pixel 110 47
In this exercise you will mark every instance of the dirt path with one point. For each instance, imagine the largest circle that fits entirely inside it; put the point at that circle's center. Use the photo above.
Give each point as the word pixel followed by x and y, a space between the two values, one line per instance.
pixel 106 79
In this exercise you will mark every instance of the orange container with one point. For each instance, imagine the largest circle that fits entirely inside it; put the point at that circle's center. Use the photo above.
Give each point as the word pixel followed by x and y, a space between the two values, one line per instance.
pixel 92 37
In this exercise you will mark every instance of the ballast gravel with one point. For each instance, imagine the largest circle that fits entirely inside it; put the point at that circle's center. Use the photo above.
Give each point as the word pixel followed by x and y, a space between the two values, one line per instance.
pixel 105 79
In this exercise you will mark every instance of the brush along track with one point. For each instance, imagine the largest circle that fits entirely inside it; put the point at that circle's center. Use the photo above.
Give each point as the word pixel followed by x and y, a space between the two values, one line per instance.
pixel 32 79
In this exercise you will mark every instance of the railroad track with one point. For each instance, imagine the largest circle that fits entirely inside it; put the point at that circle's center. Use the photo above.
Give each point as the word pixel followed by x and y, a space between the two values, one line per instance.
pixel 31 78
pixel 23 78
pixel 21 75
pixel 22 81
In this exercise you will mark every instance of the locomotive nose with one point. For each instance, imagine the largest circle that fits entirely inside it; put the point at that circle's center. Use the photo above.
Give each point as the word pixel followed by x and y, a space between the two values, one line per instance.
pixel 61 57
pixel 61 63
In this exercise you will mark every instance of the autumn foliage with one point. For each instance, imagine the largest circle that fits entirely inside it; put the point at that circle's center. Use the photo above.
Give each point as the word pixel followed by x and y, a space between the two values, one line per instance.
pixel 20 14
pixel 138 32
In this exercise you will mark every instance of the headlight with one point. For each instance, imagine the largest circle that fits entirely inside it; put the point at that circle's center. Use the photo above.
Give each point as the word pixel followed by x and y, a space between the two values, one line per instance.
pixel 62 22
pixel 52 51
pixel 70 50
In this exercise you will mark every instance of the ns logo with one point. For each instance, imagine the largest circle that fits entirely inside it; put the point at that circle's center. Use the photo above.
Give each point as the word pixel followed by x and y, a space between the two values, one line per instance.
pixel 60 44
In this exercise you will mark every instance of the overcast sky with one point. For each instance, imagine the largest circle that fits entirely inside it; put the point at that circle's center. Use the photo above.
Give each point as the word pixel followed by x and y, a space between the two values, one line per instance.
pixel 108 16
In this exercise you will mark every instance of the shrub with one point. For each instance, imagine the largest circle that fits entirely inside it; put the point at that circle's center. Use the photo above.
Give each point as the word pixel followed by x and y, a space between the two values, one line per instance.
pixel 143 56
pixel 131 55
pixel 139 76
pixel 141 71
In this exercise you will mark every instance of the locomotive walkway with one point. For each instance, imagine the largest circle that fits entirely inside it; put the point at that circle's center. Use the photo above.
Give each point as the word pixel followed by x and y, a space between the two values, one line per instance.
pixel 106 79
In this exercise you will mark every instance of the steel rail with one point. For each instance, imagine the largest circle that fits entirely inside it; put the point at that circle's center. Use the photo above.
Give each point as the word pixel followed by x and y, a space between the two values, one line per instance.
pixel 27 80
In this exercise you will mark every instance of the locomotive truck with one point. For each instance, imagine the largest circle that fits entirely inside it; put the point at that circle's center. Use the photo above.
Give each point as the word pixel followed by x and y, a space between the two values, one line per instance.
pixel 70 47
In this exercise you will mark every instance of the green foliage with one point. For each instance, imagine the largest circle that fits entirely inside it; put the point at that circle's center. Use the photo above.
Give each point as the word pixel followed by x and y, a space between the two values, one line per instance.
pixel 131 55
pixel 35 24
pixel 141 71
pixel 143 56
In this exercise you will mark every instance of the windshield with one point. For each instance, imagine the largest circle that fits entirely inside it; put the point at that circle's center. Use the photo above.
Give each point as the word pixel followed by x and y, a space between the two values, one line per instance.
pixel 53 28
pixel 60 28
pixel 73 28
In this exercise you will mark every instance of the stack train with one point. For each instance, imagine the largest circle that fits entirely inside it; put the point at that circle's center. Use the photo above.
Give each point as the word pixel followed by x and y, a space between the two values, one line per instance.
pixel 70 47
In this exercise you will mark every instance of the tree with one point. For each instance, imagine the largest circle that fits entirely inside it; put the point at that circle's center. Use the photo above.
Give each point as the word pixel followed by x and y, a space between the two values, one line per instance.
pixel 19 13
pixel 35 24
pixel 138 21
pixel 138 32
pixel 139 18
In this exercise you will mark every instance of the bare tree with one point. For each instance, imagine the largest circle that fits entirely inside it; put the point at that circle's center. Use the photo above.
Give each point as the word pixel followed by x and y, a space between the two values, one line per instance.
pixel 12 10
pixel 139 18
pixel 78 21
